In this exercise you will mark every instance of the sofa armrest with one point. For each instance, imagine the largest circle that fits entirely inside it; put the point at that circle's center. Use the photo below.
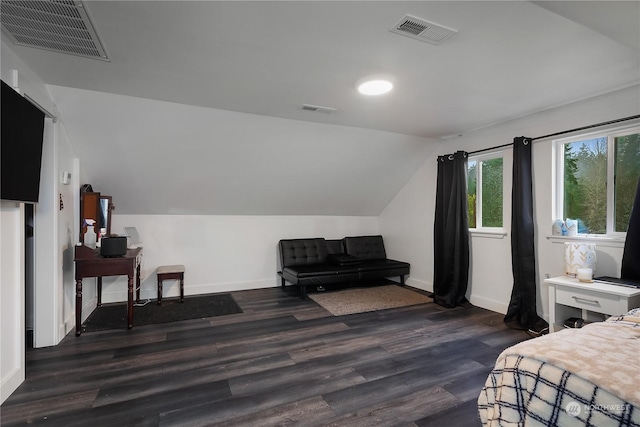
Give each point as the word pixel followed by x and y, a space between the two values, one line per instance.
pixel 343 259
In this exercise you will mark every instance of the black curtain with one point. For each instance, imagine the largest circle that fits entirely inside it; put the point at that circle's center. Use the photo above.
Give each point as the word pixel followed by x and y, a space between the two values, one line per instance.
pixel 522 313
pixel 631 255
pixel 451 231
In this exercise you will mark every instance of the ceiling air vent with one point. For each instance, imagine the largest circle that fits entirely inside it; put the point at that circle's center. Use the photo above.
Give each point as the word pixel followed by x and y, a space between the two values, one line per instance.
pixel 419 29
pixel 318 109
pixel 56 25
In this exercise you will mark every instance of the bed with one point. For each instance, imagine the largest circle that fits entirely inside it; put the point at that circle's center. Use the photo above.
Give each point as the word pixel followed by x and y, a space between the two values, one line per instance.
pixel 574 377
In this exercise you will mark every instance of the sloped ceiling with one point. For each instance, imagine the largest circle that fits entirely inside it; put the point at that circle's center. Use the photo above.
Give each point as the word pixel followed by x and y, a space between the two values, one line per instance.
pixel 614 19
pixel 159 157
pixel 199 109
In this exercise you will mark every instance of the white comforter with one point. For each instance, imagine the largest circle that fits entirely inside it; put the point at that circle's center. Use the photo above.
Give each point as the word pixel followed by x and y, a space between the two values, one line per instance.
pixel 588 376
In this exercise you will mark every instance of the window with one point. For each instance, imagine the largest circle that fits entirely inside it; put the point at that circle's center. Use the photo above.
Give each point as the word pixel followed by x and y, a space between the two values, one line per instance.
pixel 597 181
pixel 484 191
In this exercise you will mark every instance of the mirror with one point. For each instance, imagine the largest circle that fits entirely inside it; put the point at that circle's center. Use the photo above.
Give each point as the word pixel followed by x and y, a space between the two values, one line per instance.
pixel 97 207
pixel 105 213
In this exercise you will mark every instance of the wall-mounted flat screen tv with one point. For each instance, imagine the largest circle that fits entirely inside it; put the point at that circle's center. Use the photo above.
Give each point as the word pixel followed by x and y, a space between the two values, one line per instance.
pixel 21 156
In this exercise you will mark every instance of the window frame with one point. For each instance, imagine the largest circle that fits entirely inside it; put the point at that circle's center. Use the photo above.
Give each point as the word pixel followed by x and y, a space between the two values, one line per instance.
pixel 481 158
pixel 610 134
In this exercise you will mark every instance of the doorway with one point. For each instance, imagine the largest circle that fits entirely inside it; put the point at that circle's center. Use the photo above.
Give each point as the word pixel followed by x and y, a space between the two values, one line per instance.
pixel 29 272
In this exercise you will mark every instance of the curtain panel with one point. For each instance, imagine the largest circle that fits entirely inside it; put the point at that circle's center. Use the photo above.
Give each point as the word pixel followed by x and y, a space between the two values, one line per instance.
pixel 631 255
pixel 451 231
pixel 522 313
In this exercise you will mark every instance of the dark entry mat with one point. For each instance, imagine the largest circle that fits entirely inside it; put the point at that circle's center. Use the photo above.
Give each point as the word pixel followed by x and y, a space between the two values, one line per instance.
pixel 114 316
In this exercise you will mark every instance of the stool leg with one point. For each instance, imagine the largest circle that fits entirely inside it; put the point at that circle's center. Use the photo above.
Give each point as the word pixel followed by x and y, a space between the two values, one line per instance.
pixel 181 288
pixel 159 291
pixel 99 281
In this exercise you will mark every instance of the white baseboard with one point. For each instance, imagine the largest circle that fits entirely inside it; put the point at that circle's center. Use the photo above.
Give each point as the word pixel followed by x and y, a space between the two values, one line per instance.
pixel 70 322
pixel 171 289
pixel 11 382
pixel 489 304
pixel 63 329
pixel 482 302
pixel 227 287
pixel 420 284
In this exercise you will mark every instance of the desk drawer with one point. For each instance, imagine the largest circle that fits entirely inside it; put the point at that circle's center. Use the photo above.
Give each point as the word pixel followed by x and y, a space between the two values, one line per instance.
pixel 598 302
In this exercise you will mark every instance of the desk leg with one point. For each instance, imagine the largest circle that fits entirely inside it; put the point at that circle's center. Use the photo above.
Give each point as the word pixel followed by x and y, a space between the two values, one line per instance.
pixel 99 280
pixel 130 303
pixel 78 307
pixel 139 285
pixel 552 308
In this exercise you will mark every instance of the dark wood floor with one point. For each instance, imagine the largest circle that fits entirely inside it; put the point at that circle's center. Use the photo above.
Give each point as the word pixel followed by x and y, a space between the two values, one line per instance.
pixel 284 361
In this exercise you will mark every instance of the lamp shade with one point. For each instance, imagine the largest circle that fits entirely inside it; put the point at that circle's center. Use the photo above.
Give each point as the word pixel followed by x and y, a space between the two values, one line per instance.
pixel 579 255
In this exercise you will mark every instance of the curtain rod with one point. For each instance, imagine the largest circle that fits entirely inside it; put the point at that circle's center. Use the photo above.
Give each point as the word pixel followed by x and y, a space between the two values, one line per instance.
pixel 610 122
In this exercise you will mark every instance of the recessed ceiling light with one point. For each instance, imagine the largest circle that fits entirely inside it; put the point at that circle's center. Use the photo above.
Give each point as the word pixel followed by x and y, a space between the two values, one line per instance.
pixel 375 87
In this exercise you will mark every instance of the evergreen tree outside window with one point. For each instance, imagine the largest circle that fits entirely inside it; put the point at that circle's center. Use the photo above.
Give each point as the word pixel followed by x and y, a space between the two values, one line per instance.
pixel 597 181
pixel 627 170
pixel 484 191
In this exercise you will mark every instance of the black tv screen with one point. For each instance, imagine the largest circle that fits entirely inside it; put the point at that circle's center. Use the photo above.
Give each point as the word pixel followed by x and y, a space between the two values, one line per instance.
pixel 21 156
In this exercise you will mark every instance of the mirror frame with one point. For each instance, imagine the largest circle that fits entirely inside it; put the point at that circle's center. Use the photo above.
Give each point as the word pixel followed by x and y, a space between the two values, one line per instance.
pixel 91 207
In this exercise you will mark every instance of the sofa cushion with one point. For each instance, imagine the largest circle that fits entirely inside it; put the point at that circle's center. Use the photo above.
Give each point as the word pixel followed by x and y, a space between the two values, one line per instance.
pixel 302 271
pixel 334 246
pixel 365 247
pixel 382 264
pixel 302 251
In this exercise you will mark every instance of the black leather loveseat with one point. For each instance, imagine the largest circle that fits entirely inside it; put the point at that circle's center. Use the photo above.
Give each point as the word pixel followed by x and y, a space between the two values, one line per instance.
pixel 319 262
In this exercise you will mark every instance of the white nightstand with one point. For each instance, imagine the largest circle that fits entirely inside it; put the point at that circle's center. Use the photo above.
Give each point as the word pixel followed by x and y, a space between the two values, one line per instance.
pixel 596 297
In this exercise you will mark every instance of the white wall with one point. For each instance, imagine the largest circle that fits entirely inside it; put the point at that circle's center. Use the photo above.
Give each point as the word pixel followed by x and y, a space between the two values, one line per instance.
pixel 55 234
pixel 222 253
pixel 46 297
pixel 407 222
pixel 12 319
pixel 53 267
pixel 67 224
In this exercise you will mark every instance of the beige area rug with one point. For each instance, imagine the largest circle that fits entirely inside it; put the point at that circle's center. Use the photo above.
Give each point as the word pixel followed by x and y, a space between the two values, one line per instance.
pixel 360 300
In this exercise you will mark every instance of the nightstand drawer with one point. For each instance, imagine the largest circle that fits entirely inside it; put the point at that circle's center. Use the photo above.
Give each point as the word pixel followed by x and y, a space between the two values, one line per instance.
pixel 591 300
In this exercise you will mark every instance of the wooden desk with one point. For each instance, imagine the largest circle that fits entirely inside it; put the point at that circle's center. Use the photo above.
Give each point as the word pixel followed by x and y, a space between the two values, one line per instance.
pixel 89 263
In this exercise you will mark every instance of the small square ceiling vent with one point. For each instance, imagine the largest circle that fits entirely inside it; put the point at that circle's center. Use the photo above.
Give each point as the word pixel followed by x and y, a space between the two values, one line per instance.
pixel 57 25
pixel 420 29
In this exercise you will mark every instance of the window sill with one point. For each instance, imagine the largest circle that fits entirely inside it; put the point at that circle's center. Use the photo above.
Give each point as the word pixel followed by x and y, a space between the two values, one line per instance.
pixel 614 242
pixel 490 234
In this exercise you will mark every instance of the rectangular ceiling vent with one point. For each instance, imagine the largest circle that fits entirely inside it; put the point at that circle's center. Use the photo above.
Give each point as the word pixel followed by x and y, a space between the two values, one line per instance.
pixel 318 109
pixel 56 25
pixel 420 29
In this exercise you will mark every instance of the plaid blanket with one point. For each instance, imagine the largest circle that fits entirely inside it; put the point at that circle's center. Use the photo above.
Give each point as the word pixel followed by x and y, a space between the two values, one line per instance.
pixel 579 377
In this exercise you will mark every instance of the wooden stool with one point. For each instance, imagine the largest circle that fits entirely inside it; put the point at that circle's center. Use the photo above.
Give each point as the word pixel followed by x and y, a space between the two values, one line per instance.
pixel 166 272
